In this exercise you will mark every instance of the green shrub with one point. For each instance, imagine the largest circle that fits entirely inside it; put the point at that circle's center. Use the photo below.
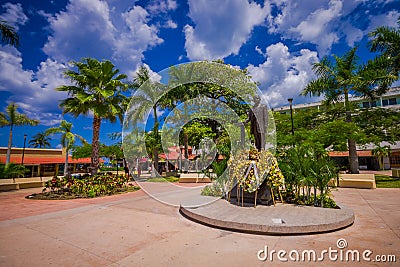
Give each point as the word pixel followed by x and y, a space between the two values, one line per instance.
pixel 90 186
pixel 12 170
pixel 321 201
pixel 307 170
pixel 213 190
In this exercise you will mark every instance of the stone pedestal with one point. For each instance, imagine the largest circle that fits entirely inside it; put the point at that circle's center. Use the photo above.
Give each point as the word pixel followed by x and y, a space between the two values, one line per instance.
pixel 263 195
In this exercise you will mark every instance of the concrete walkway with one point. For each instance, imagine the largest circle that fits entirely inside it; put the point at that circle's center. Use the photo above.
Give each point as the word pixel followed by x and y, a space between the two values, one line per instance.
pixel 133 229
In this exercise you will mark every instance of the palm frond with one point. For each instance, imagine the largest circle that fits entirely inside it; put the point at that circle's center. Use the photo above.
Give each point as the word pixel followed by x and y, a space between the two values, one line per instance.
pixel 8 34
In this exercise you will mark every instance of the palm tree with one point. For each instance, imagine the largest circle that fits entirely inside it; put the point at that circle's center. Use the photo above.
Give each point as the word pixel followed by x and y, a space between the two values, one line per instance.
pixel 147 97
pixel 386 40
pixel 8 34
pixel 40 140
pixel 380 152
pixel 337 80
pixel 182 92
pixel 98 89
pixel 67 139
pixel 13 118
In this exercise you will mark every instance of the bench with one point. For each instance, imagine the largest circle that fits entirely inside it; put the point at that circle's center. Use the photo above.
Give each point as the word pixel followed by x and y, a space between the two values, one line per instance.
pixel 396 172
pixel 361 180
pixel 8 184
pixel 21 183
pixel 194 178
pixel 29 182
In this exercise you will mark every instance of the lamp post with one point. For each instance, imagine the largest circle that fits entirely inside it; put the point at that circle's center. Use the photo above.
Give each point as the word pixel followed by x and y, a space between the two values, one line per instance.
pixel 23 150
pixel 291 113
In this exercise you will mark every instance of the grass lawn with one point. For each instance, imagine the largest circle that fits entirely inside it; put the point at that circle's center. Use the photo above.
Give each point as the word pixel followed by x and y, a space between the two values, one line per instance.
pixel 385 181
pixel 170 179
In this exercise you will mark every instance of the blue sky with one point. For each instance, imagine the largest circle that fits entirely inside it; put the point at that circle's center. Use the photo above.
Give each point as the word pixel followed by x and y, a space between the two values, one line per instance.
pixel 277 40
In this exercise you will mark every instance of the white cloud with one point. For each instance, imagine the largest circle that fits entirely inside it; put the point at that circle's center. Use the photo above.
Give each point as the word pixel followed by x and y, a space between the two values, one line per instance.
pixel 84 29
pixel 316 22
pixel 283 75
pixel 353 34
pixel 118 33
pixel 162 6
pixel 388 19
pixel 314 28
pixel 139 37
pixel 221 27
pixel 171 24
pixel 258 49
pixel 32 91
pixel 14 15
pixel 12 76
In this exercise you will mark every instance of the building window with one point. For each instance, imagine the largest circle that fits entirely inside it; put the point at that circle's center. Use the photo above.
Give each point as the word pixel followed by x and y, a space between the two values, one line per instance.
pixel 390 101
pixel 369 104
pixel 395 160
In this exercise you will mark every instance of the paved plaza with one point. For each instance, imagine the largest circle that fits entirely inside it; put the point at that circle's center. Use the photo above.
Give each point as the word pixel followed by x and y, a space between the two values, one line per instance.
pixel 133 229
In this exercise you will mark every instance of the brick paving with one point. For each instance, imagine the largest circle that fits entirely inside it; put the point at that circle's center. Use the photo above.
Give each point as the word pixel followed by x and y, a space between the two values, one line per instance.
pixel 133 229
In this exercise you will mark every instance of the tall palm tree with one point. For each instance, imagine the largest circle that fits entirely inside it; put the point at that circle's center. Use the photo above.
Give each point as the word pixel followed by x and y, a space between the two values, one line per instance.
pixel 386 40
pixel 343 77
pixel 40 140
pixel 13 118
pixel 179 76
pixel 98 89
pixel 67 139
pixel 8 34
pixel 146 98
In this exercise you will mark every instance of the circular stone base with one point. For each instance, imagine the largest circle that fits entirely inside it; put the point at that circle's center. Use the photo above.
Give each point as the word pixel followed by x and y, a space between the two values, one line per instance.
pixel 282 219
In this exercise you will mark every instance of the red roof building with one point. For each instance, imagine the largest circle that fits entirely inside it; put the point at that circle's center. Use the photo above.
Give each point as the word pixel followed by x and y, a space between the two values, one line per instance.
pixel 44 162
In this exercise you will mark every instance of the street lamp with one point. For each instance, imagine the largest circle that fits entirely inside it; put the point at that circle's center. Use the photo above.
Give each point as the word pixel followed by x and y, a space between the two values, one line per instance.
pixel 291 113
pixel 23 150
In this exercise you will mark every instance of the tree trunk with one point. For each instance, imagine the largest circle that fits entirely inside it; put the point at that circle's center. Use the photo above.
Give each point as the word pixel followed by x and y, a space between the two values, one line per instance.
pixel 66 174
pixel 117 167
pixel 95 144
pixel 185 140
pixel 353 158
pixel 8 156
pixel 154 171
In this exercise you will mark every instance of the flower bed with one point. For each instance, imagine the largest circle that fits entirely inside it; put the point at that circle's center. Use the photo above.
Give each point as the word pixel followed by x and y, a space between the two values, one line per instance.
pixel 87 187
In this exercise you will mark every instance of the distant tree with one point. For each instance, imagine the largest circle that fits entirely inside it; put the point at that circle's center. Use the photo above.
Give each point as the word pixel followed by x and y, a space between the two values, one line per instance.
pixel 40 140
pixel 8 34
pixel 113 152
pixel 83 151
pixel 344 77
pixel 181 80
pixel 381 152
pixel 379 124
pixel 147 98
pixel 323 127
pixel 13 118
pixel 12 170
pixel 98 89
pixel 196 131
pixel 67 139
